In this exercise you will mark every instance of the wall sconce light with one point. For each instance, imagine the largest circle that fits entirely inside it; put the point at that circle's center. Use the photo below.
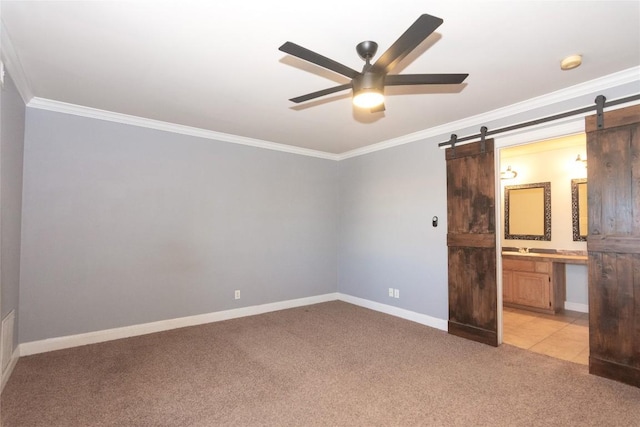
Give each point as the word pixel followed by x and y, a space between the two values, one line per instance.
pixel 508 174
pixel 581 160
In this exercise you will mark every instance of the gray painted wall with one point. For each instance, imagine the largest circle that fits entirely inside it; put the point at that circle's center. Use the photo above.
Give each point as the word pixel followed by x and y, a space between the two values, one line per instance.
pixel 124 225
pixel 577 277
pixel 12 146
pixel 387 201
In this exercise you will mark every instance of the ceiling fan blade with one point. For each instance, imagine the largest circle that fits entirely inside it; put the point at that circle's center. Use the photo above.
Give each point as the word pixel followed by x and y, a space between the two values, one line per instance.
pixel 378 108
pixel 409 40
pixel 320 93
pixel 424 79
pixel 316 58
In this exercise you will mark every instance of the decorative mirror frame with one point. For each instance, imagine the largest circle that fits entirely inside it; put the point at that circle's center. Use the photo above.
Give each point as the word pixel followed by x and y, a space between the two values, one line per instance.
pixel 575 210
pixel 546 186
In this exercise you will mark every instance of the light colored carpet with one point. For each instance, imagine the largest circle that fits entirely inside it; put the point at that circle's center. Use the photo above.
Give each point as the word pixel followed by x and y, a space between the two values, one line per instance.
pixel 330 364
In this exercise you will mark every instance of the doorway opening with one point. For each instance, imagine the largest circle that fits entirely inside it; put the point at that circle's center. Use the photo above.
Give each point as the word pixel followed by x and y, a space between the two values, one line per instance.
pixel 544 292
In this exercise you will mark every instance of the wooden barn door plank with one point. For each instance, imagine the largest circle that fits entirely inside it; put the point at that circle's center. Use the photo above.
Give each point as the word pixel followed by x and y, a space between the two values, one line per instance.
pixel 471 242
pixel 613 153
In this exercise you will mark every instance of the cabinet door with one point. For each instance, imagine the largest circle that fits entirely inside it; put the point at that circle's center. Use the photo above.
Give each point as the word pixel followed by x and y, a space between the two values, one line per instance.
pixel 507 286
pixel 531 289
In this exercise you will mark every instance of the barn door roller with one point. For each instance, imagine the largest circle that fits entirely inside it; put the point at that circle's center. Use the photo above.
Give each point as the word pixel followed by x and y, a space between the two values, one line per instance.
pixel 600 100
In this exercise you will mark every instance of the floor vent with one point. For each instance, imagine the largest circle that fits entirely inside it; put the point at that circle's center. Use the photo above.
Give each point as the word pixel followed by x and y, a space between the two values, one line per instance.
pixel 6 346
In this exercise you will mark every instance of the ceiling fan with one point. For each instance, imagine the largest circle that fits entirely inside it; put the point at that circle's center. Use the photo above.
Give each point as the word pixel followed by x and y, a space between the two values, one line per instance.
pixel 368 85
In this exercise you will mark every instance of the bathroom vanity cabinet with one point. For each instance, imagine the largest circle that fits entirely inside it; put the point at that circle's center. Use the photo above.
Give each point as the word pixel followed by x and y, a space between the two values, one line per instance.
pixel 535 281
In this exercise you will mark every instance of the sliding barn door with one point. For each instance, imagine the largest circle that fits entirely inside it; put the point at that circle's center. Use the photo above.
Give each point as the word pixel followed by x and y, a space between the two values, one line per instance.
pixel 471 242
pixel 613 187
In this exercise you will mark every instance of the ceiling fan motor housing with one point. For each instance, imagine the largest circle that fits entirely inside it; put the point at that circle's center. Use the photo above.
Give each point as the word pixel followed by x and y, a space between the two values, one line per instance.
pixel 368 81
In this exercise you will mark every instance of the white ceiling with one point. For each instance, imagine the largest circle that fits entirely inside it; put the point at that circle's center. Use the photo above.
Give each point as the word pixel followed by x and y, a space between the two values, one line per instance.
pixel 216 65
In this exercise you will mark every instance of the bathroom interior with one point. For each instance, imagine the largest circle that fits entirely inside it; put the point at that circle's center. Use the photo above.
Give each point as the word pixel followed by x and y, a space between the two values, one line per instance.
pixel 544 250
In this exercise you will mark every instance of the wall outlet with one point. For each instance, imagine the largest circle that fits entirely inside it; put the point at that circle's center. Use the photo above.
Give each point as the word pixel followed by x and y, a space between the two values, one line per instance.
pixel 237 294
pixel 391 292
pixel 396 293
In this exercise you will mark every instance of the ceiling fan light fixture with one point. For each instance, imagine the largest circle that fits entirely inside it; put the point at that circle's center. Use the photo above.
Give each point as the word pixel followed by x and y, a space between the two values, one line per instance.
pixel 368 98
pixel 368 90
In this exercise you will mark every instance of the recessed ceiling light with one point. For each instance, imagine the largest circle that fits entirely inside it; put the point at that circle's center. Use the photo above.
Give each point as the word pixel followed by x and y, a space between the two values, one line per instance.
pixel 571 62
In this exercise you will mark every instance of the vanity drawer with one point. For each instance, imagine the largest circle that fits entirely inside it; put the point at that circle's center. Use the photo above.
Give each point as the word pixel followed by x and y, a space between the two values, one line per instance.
pixel 518 264
pixel 543 267
pixel 526 265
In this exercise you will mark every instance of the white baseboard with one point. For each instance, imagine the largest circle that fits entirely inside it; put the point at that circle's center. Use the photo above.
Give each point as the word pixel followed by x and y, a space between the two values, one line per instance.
pixel 9 369
pixel 576 306
pixel 423 319
pixel 59 343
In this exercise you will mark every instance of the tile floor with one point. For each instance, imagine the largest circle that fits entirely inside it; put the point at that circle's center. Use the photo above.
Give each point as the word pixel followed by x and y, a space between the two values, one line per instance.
pixel 563 335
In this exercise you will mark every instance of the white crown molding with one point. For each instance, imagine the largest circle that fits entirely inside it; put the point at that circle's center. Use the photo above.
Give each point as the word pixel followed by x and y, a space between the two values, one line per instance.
pixel 443 132
pixel 14 66
pixel 94 113
pixel 440 132
pixel 423 319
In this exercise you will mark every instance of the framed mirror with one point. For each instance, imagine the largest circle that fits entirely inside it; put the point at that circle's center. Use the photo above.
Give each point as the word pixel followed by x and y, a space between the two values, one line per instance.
pixel 527 211
pixel 579 209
